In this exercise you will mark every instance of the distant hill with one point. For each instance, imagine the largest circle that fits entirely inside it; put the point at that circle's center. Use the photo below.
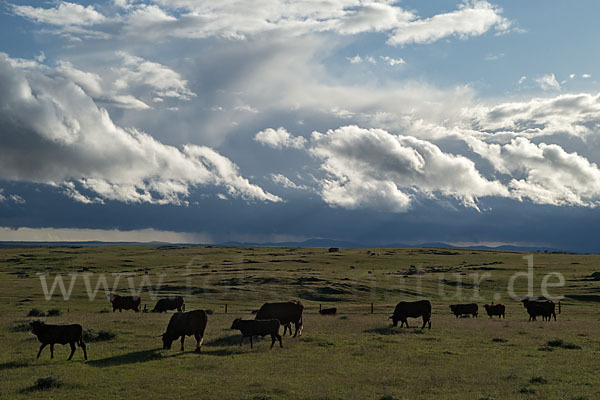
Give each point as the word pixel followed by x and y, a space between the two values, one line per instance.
pixel 322 243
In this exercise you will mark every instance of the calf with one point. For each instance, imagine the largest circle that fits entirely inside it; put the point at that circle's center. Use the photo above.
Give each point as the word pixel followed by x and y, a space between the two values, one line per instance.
pixel 495 309
pixel 464 309
pixel 261 327
pixel 61 334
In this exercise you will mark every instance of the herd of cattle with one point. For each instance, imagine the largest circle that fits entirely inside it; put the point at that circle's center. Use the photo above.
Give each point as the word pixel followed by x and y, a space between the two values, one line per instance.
pixel 269 318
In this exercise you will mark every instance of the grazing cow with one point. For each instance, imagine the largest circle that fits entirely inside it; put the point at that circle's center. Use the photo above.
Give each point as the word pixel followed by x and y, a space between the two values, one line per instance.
pixel 125 302
pixel 170 303
pixel 412 309
pixel 287 313
pixel 545 308
pixel 465 309
pixel 260 327
pixel 61 334
pixel 185 324
pixel 495 309
pixel 328 311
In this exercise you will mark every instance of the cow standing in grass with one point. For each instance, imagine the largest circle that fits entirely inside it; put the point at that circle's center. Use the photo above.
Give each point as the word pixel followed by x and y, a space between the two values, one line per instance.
pixel 412 309
pixel 186 324
pixel 495 309
pixel 61 334
pixel 464 309
pixel 545 308
pixel 262 327
pixel 125 302
pixel 170 303
pixel 286 313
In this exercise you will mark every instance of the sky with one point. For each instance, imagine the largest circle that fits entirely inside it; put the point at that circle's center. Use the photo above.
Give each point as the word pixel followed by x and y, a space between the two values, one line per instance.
pixel 377 122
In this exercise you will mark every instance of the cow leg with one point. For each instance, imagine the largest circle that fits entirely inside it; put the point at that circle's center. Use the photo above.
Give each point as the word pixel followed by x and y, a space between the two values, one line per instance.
pixel 182 340
pixel 250 341
pixel 424 322
pixel 242 341
pixel 297 326
pixel 279 338
pixel 84 348
pixel 51 350
pixel 272 340
pixel 72 350
pixel 199 340
pixel 41 348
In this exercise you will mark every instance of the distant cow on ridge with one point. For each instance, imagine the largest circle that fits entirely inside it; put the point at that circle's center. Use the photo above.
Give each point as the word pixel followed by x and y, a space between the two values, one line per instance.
pixel 464 309
pixel 61 334
pixel 412 309
pixel 125 302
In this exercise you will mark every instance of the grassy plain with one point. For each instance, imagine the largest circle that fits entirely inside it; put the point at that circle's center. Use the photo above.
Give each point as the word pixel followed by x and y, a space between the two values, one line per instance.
pixel 353 355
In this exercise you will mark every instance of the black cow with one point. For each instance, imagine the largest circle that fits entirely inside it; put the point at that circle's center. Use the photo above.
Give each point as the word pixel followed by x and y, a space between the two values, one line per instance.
pixel 125 302
pixel 170 303
pixel 545 308
pixel 287 313
pixel 495 309
pixel 61 334
pixel 261 327
pixel 465 309
pixel 328 311
pixel 412 309
pixel 185 324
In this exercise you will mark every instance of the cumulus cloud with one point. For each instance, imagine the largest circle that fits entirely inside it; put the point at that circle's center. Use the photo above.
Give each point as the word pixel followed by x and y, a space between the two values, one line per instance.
pixel 373 168
pixel 286 182
pixel 279 138
pixel 548 82
pixel 54 133
pixel 10 198
pixel 550 174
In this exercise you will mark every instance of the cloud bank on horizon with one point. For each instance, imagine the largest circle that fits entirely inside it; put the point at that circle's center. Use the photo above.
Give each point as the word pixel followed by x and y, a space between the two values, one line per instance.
pixel 361 105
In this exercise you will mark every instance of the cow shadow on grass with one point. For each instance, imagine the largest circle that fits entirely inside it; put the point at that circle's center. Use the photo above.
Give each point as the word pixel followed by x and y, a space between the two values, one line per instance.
pixel 391 330
pixel 129 358
pixel 224 341
pixel 12 365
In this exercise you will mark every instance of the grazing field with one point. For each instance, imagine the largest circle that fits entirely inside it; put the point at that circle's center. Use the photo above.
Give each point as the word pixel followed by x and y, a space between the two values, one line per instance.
pixel 354 354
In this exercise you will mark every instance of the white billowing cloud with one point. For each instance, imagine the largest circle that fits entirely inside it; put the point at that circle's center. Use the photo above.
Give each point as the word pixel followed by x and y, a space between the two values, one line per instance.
pixel 63 14
pixel 286 182
pixel 10 198
pixel 472 19
pixel 550 174
pixel 128 74
pixel 54 133
pixel 548 82
pixel 393 61
pixel 279 138
pixel 164 81
pixel 238 19
pixel 372 168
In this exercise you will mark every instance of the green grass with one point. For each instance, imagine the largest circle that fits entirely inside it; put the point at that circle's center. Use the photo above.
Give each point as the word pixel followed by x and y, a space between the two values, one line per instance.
pixel 354 355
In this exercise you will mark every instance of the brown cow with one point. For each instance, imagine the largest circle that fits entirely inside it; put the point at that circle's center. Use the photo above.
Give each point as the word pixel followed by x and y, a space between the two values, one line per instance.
pixel 61 334
pixel 186 324
pixel 125 302
pixel 412 309
pixel 287 313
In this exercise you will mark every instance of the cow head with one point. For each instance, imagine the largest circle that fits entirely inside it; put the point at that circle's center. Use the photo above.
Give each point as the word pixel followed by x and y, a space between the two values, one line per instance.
pixel 394 320
pixel 487 306
pixel 236 323
pixel 36 326
pixel 452 307
pixel 167 341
